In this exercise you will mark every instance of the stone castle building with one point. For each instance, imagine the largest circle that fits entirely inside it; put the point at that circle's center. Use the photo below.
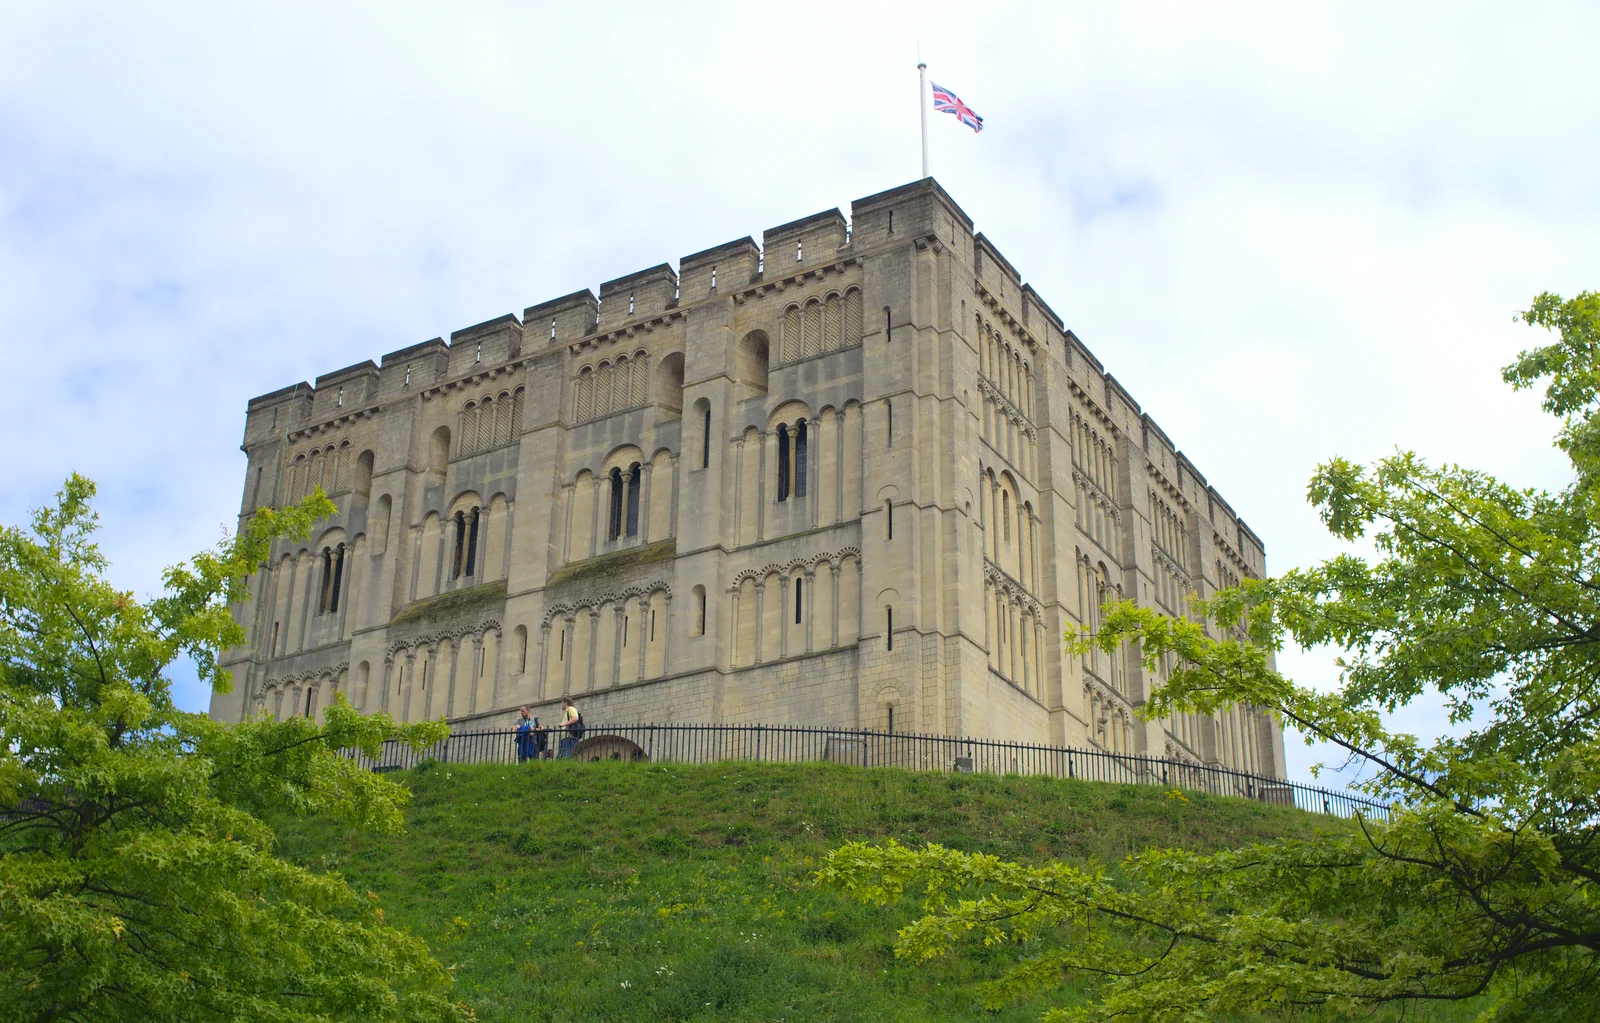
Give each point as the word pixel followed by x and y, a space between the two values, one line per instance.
pixel 859 475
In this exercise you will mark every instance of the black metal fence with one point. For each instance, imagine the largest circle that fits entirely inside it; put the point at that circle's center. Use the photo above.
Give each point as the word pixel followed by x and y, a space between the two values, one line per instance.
pixel 699 744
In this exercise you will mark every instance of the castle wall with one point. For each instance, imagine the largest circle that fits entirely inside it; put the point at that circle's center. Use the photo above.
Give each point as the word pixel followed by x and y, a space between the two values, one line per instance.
pixel 859 476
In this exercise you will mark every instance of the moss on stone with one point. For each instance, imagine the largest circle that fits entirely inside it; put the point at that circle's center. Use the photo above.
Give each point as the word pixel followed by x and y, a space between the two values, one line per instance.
pixel 607 565
pixel 451 605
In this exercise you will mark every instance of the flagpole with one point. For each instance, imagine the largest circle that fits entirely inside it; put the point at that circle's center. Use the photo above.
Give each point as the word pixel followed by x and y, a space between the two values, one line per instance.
pixel 922 105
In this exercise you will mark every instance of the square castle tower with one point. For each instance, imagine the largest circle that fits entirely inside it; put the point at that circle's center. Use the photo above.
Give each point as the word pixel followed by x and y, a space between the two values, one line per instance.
pixel 857 476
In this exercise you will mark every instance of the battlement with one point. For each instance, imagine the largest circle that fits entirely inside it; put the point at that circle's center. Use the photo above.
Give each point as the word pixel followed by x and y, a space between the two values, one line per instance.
pixel 718 269
pixel 638 295
pixel 814 239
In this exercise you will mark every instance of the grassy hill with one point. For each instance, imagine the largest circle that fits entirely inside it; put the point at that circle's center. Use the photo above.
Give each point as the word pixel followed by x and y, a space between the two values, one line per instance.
pixel 608 891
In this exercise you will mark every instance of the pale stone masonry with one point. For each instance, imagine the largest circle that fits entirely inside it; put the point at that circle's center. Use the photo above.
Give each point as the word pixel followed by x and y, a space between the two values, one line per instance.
pixel 859 475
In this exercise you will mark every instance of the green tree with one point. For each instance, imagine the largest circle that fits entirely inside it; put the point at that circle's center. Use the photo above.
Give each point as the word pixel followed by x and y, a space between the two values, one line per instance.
pixel 137 875
pixel 1480 887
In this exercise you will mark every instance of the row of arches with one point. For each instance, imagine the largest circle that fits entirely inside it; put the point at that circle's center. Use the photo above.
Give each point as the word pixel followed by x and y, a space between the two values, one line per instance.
pixel 491 421
pixel 1008 431
pixel 1005 366
pixel 468 544
pixel 607 641
pixel 1011 529
pixel 448 674
pixel 612 385
pixel 1015 624
pixel 1093 454
pixel 309 592
pixel 333 468
pixel 1110 720
pixel 304 694
pixel 630 500
pixel 783 611
pixel 801 471
pixel 820 325
pixel 1095 590
pixel 1168 531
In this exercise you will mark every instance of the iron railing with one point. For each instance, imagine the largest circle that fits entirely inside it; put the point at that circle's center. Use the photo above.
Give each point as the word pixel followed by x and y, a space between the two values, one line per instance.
pixel 699 744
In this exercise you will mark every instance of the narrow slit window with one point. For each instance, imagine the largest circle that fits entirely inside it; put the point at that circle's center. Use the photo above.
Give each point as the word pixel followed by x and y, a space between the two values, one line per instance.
pixel 614 526
pixel 472 544
pixel 308 701
pixel 888 405
pixel 783 463
pixel 713 278
pixel 652 626
pixel 891 221
pixel 702 614
pixel 624 630
pixel 630 303
pixel 799 252
pixel 705 452
pixel 799 596
pixel 888 616
pixel 561 646
pixel 327 581
pixel 888 518
pixel 888 324
pixel 273 649
pixel 478 356
pixel 633 501
pixel 338 578
pixel 339 402
pixel 461 543
pixel 800 458
pixel 408 376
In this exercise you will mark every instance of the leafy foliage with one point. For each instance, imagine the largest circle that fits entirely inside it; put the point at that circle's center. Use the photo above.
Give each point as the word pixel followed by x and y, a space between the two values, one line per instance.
pixel 1481 887
pixel 137 875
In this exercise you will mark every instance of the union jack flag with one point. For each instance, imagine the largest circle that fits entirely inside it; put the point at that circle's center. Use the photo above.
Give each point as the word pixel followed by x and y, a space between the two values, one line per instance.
pixel 947 102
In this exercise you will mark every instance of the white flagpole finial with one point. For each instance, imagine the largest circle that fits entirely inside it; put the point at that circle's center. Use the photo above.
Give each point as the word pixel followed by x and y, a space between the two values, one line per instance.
pixel 922 105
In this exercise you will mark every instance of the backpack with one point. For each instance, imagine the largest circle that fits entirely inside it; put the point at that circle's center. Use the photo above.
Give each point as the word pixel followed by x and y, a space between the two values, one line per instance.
pixel 576 728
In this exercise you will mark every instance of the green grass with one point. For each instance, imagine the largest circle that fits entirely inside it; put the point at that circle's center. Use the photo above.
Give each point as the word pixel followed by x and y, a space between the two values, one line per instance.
pixel 606 891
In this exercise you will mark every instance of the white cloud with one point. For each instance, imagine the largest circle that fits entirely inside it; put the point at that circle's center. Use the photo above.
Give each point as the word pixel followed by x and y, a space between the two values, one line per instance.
pixel 1289 232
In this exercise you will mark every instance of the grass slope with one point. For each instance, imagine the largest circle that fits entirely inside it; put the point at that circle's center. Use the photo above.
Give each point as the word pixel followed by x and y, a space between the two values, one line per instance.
pixel 608 891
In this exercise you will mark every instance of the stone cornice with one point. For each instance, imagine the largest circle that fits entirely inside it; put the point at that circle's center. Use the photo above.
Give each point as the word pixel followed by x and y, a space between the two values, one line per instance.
pixel 1003 314
pixel 994 575
pixel 1097 492
pixel 759 288
pixel 1093 407
pixel 987 386
pixel 329 425
pixel 647 325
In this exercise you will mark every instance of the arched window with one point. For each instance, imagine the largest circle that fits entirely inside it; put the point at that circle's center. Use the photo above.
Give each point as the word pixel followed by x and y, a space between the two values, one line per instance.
pixel 783 462
pixel 327 581
pixel 799 597
pixel 700 611
pixel 338 578
pixel 461 545
pixel 705 451
pixel 522 649
pixel 1005 514
pixel 614 527
pixel 800 458
pixel 472 542
pixel 633 500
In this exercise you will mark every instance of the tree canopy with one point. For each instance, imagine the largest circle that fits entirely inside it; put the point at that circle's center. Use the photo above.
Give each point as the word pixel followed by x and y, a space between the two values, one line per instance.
pixel 137 875
pixel 1480 887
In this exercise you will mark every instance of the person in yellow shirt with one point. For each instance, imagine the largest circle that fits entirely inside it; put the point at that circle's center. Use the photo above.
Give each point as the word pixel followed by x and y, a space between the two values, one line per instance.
pixel 572 722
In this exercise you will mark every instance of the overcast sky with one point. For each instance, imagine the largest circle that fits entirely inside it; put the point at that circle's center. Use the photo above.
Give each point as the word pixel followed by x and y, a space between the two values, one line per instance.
pixel 1290 232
